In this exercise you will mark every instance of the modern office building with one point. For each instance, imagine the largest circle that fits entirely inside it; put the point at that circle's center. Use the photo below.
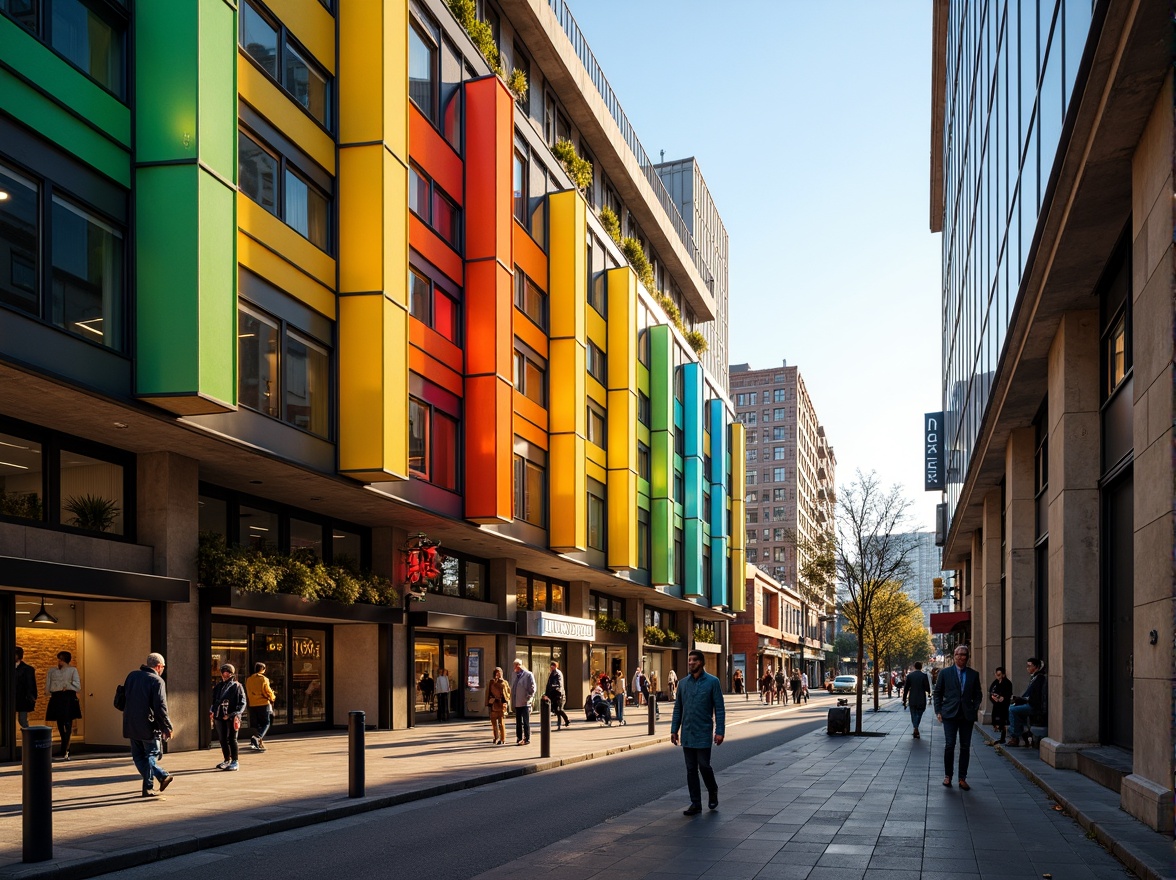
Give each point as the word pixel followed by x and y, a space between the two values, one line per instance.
pixel 926 565
pixel 1051 181
pixel 291 292
pixel 791 478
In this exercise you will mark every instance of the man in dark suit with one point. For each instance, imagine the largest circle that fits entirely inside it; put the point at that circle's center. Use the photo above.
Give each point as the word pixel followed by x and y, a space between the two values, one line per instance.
pixel 957 697
pixel 914 693
pixel 26 689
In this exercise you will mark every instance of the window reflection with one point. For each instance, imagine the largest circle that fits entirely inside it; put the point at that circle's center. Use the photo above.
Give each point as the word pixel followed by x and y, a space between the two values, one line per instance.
pixel 21 478
pixel 87 275
pixel 18 242
pixel 307 677
pixel 306 537
pixel 259 529
pixel 91 493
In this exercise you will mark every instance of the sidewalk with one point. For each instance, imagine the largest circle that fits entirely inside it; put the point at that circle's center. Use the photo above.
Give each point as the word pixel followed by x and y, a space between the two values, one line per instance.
pixel 853 808
pixel 102 824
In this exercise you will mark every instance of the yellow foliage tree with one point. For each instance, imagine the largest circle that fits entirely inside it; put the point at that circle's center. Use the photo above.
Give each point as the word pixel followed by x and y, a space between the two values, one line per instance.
pixel 893 623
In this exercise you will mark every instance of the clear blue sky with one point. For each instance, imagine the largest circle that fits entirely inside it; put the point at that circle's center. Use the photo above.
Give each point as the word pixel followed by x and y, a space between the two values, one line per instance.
pixel 811 122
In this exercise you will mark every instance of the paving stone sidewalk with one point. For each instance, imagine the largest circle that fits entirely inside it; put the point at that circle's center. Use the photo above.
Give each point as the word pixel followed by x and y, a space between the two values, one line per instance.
pixel 850 808
pixel 101 823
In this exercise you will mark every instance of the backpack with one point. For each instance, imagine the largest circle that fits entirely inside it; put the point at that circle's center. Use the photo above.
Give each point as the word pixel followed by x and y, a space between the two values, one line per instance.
pixel 120 697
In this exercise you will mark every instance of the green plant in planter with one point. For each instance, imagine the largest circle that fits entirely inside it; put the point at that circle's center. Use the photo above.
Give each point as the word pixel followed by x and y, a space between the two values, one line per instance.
pixel 517 83
pixel 611 624
pixel 481 34
pixel 655 635
pixel 578 168
pixel 702 634
pixel 696 341
pixel 672 638
pixel 26 505
pixel 92 512
pixel 611 223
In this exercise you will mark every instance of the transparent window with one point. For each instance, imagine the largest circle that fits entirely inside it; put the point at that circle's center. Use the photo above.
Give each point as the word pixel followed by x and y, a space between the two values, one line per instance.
pixel 259 39
pixel 270 648
pixel 308 383
pixel 346 548
pixel 596 426
pixel 418 194
pixel 530 379
pixel 530 487
pixel 520 187
pixel 446 218
pixel 19 246
pixel 257 173
pixel 308 675
pixel 257 361
pixel 596 524
pixel 306 83
pixel 418 297
pixel 306 210
pixel 306 537
pixel 87 275
pixel 91 493
pixel 258 529
pixel 450 576
pixel 418 437
pixel 422 63
pixel 22 478
pixel 89 41
pixel 522 594
pixel 539 594
pixel 213 515
pixel 529 299
pixel 475 580
pixel 596 363
pixel 642 460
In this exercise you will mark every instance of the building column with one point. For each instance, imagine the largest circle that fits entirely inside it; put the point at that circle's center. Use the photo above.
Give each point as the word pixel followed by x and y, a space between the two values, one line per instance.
pixel 501 591
pixel 1147 793
pixel 576 662
pixel 1020 559
pixel 987 599
pixel 166 499
pixel 1074 443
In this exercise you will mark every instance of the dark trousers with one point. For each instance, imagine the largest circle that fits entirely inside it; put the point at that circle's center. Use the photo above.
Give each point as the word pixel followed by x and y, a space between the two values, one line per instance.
pixel 65 731
pixel 227 734
pixel 557 710
pixel 443 706
pixel 698 761
pixel 523 723
pixel 260 719
pixel 953 727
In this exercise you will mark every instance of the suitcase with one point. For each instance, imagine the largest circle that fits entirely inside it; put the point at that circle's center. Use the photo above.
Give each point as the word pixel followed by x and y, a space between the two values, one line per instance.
pixel 838 720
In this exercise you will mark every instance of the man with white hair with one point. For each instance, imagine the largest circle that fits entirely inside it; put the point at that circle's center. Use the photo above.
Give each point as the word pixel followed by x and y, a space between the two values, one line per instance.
pixel 522 690
pixel 146 723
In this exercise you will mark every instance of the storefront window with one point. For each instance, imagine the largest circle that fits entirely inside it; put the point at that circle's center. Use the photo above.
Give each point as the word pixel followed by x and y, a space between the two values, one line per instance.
pixel 522 596
pixel 450 576
pixel 346 548
pixel 307 676
pixel 426 659
pixel 269 647
pixel 259 529
pixel 91 493
pixel 557 599
pixel 475 581
pixel 21 478
pixel 539 593
pixel 230 644
pixel 609 660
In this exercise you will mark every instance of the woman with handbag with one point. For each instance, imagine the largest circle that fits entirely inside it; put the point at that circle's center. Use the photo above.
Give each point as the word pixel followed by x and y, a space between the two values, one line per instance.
pixel 63 684
pixel 228 705
pixel 497 696
pixel 1000 692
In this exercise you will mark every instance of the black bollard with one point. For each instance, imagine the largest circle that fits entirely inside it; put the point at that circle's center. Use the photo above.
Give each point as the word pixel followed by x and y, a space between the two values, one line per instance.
pixel 545 728
pixel 38 794
pixel 652 707
pixel 355 768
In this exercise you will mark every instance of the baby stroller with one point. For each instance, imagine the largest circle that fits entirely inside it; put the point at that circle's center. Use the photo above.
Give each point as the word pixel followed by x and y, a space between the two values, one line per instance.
pixel 601 711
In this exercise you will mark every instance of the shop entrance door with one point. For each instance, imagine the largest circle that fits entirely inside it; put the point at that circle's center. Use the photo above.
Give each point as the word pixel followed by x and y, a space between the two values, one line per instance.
pixel 432 654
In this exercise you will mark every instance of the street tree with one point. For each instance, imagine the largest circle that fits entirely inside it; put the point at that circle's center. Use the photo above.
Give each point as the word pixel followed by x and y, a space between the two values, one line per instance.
pixel 845 645
pixel 893 622
pixel 873 547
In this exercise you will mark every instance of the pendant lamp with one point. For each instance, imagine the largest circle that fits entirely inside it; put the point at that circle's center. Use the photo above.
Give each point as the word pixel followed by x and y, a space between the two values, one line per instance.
pixel 43 616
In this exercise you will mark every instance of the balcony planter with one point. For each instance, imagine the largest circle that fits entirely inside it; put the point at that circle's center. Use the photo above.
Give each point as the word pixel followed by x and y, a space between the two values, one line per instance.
pixel 289 606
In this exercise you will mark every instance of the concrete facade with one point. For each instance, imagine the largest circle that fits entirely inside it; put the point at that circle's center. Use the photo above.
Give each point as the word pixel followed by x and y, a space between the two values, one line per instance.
pixel 1061 506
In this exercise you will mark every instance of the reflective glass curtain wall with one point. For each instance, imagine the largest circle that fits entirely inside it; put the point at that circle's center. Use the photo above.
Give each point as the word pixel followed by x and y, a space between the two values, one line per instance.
pixel 1011 70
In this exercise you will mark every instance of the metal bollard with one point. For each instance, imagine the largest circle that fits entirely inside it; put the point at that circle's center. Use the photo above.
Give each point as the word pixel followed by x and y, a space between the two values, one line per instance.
pixel 37 767
pixel 355 756
pixel 651 705
pixel 545 728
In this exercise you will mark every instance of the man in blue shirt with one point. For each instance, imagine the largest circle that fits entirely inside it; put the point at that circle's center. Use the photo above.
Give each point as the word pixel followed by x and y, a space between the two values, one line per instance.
pixel 699 702
pixel 957 697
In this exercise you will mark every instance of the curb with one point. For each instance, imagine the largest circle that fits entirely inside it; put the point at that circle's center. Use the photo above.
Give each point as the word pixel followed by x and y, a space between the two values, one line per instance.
pixel 1124 851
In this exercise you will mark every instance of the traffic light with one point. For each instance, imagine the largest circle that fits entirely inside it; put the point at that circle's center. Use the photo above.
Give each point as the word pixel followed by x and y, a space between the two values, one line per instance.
pixel 937 587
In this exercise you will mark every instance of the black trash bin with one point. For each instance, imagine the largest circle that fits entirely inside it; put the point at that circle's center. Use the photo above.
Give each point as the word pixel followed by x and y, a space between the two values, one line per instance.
pixel 838 720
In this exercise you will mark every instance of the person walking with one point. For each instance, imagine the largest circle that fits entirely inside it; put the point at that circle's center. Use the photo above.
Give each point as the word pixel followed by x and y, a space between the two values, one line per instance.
pixel 796 686
pixel 1029 704
pixel 558 695
pixel 804 685
pixel 497 695
pixel 672 684
pixel 522 690
pixel 441 690
pixel 261 699
pixel 644 685
pixel 781 687
pixel 1000 692
pixel 146 723
pixel 766 685
pixel 701 717
pixel 426 688
pixel 638 696
pixel 63 684
pixel 24 688
pixel 228 705
pixel 737 683
pixel 914 693
pixel 957 697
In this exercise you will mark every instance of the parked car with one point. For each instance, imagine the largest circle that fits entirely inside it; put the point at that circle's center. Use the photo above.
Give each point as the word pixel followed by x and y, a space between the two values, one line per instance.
pixel 845 684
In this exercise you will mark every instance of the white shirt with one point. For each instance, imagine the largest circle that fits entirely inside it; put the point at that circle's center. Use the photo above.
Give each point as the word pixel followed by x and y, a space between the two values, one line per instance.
pixel 442 684
pixel 65 679
pixel 804 679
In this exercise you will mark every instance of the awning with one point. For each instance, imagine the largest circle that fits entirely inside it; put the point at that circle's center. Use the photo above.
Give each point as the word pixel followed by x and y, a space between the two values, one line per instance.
pixel 60 579
pixel 460 623
pixel 946 621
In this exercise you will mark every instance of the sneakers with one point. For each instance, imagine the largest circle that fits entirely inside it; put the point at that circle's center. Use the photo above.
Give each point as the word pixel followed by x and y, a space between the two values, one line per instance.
pixel 232 766
pixel 223 765
pixel 255 744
